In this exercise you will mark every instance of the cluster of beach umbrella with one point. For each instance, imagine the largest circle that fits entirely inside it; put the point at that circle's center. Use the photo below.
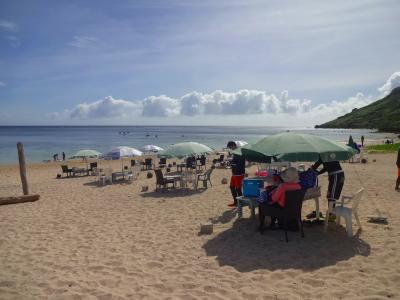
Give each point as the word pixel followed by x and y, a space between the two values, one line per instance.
pixel 178 150
pixel 287 146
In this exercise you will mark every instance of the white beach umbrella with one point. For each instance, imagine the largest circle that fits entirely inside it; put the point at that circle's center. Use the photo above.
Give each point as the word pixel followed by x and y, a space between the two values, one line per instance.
pixel 185 149
pixel 240 143
pixel 119 152
pixel 151 148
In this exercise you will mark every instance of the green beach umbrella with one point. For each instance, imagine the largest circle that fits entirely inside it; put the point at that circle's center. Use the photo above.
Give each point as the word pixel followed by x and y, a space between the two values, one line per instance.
pixel 87 153
pixel 290 146
pixel 184 149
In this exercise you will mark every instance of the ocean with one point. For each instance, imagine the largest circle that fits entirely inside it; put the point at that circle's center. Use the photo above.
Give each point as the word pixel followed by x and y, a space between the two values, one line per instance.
pixel 41 142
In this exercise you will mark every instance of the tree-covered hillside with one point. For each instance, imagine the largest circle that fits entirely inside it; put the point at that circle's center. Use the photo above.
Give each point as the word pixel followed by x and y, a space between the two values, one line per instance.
pixel 383 115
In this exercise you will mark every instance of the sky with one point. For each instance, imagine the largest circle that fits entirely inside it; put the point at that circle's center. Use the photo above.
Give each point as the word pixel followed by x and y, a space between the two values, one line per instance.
pixel 266 63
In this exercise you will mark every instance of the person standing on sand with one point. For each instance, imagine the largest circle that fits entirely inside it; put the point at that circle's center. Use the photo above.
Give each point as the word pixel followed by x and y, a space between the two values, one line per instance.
pixel 362 141
pixel 238 170
pixel 397 188
pixel 63 155
pixel 55 157
pixel 335 178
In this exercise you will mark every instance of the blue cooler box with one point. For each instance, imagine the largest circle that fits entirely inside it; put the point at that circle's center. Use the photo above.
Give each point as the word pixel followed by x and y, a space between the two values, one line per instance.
pixel 251 187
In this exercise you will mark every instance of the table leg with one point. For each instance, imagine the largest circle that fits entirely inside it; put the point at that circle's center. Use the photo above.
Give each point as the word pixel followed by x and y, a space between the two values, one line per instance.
pixel 239 208
pixel 317 208
pixel 253 209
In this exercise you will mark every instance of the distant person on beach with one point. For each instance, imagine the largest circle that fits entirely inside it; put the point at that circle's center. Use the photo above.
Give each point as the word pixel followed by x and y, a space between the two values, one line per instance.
pixel 335 178
pixel 55 157
pixel 397 188
pixel 63 155
pixel 238 170
pixel 362 141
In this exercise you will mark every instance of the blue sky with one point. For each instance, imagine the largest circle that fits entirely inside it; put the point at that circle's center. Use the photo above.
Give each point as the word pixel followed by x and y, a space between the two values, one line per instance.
pixel 191 62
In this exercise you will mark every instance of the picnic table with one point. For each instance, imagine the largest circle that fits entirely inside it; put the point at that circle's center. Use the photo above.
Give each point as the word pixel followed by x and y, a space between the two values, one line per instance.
pixel 79 171
pixel 125 175
pixel 311 194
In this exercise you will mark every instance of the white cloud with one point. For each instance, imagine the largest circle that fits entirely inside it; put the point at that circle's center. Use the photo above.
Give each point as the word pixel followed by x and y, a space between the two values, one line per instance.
pixel 13 40
pixel 8 26
pixel 82 41
pixel 160 106
pixel 106 108
pixel 334 109
pixel 242 102
pixel 390 84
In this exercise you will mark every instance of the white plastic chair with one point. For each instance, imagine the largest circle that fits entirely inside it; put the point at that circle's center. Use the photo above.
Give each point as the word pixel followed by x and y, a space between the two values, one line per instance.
pixel 106 176
pixel 345 212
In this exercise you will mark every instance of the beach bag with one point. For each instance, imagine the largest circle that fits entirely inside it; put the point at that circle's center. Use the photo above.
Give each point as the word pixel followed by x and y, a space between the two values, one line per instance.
pixel 265 196
pixel 308 179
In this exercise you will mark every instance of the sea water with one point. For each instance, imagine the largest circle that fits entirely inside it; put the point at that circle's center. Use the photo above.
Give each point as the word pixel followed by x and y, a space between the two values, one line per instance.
pixel 42 142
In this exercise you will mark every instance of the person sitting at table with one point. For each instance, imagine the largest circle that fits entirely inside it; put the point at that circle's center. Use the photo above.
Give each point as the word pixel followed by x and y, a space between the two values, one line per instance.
pixel 190 162
pixel 276 198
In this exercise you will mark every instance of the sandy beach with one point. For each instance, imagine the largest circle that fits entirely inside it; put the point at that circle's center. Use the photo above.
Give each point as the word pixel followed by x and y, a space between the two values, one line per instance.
pixel 82 241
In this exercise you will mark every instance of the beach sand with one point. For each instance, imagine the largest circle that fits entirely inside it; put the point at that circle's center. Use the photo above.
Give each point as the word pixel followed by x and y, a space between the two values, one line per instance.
pixel 81 241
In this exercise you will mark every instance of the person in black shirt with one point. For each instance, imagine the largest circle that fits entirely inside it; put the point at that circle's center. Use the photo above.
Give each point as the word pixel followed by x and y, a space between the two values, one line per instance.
pixel 238 170
pixel 397 188
pixel 335 177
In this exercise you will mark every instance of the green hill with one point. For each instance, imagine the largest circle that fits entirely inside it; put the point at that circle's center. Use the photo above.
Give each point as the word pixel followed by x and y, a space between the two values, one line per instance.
pixel 383 114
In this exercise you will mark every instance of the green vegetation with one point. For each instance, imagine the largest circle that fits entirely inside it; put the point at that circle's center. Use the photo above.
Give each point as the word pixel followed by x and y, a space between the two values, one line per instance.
pixel 383 115
pixel 383 148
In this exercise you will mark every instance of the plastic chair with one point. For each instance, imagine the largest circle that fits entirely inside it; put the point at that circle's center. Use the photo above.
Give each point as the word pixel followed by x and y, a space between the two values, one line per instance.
pixel 106 176
pixel 206 176
pixel 345 212
pixel 163 181
pixel 67 170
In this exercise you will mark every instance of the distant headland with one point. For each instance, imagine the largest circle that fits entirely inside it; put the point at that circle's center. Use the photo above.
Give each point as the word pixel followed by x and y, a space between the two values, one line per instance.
pixel 383 115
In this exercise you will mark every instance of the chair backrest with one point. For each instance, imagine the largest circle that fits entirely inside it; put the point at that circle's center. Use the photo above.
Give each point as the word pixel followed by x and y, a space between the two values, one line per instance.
pixel 64 168
pixel 294 203
pixel 203 160
pixel 147 161
pixel 221 158
pixel 163 161
pixel 93 165
pixel 159 176
pixel 356 199
pixel 133 162
pixel 108 172
pixel 208 173
pixel 190 162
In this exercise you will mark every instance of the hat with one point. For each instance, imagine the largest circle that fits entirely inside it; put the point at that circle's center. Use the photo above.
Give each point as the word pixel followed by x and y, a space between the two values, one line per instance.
pixel 290 175
pixel 231 145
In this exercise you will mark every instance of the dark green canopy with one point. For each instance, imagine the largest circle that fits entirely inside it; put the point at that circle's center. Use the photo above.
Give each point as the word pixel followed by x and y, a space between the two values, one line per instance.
pixel 290 146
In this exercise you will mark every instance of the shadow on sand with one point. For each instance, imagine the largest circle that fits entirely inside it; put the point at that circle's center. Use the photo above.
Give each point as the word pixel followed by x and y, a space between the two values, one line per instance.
pixel 172 193
pixel 245 249
pixel 96 183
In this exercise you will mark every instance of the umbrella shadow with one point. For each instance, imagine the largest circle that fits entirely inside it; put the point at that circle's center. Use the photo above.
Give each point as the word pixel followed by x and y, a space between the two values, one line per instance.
pixel 172 193
pixel 246 250
pixel 96 183
pixel 225 217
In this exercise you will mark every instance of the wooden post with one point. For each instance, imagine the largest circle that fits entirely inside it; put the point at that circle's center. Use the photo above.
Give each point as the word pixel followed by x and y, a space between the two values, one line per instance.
pixel 22 168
